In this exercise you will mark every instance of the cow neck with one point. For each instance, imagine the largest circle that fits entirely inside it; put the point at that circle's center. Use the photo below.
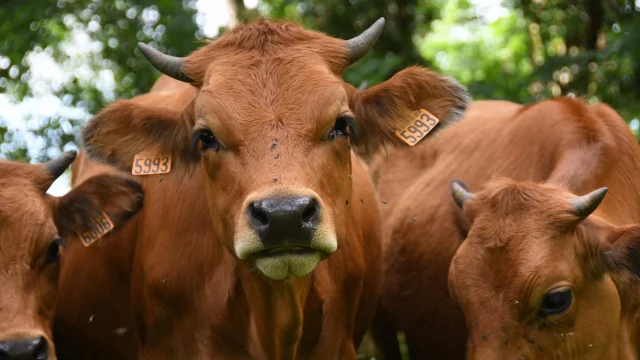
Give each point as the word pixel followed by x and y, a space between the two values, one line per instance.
pixel 628 343
pixel 276 314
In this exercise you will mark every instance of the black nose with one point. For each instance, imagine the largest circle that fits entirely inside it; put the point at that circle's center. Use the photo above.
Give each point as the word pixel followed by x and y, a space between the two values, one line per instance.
pixel 26 349
pixel 284 221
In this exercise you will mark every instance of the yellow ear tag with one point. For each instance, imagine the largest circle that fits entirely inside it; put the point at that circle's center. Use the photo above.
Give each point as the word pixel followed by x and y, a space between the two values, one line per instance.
pixel 100 226
pixel 422 124
pixel 149 164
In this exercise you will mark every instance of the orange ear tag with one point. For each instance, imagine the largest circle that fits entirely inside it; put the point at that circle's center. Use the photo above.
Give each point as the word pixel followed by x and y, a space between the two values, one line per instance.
pixel 99 228
pixel 422 124
pixel 149 164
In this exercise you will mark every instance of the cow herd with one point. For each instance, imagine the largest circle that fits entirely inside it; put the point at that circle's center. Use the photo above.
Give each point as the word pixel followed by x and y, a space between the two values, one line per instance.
pixel 253 205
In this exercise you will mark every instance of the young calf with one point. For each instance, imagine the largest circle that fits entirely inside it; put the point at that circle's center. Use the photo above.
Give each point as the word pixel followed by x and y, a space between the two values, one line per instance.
pixel 538 278
pixel 33 228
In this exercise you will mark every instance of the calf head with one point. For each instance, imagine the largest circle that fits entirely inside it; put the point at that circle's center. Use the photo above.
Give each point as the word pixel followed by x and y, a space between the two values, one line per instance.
pixel 538 278
pixel 271 127
pixel 33 227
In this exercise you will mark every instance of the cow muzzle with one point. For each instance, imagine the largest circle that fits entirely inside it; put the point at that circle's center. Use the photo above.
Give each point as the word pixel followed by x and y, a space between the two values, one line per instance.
pixel 289 235
pixel 283 223
pixel 21 348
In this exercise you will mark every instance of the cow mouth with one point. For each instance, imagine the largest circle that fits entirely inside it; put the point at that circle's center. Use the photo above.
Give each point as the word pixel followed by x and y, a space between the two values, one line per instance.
pixel 286 250
pixel 287 261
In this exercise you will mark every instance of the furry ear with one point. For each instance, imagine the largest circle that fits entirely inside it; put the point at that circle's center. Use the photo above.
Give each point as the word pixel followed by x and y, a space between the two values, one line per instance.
pixel 128 127
pixel 623 257
pixel 116 196
pixel 390 106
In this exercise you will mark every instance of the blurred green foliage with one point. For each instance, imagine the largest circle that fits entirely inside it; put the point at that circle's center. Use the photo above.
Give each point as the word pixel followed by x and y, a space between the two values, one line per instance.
pixel 107 33
pixel 541 49
pixel 519 50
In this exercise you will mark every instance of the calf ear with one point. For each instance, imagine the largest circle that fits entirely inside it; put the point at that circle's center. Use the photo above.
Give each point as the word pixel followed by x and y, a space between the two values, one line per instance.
pixel 118 197
pixel 128 127
pixel 622 259
pixel 385 108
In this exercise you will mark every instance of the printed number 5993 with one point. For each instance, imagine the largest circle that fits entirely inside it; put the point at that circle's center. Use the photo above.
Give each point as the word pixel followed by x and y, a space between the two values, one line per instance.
pixel 412 139
pixel 147 165
pixel 418 128
pixel 137 169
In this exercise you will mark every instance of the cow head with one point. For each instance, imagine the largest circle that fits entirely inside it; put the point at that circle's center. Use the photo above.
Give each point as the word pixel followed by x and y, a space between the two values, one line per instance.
pixel 271 127
pixel 538 278
pixel 33 227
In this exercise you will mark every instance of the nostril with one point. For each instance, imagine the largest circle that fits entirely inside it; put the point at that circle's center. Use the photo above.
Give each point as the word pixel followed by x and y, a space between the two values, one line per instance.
pixel 258 214
pixel 34 348
pixel 41 350
pixel 310 211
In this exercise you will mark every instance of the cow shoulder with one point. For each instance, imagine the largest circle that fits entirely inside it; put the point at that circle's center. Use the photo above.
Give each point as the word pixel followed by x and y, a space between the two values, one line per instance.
pixel 584 142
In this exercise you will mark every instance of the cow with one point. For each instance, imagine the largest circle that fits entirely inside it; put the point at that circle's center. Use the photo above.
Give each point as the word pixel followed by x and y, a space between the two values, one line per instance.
pixel 536 277
pixel 263 241
pixel 34 229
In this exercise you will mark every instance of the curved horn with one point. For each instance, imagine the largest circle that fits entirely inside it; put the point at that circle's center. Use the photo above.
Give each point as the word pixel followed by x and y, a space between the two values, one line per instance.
pixel 460 192
pixel 584 205
pixel 57 166
pixel 360 45
pixel 166 64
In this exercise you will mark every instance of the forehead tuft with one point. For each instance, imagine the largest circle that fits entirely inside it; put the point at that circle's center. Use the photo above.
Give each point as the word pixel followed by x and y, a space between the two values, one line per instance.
pixel 20 198
pixel 26 218
pixel 264 35
pixel 268 39
pixel 507 210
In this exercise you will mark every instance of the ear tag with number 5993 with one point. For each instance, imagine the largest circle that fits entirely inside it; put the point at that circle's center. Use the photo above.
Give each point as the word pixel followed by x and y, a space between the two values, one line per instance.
pixel 151 164
pixel 421 124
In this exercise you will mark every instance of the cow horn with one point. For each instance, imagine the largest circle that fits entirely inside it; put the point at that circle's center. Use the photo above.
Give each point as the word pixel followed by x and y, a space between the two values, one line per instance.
pixel 57 166
pixel 584 205
pixel 166 64
pixel 460 192
pixel 360 45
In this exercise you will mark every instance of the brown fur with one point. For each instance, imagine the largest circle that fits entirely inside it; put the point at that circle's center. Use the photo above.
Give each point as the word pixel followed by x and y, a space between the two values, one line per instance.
pixel 259 85
pixel 279 72
pixel 515 227
pixel 30 223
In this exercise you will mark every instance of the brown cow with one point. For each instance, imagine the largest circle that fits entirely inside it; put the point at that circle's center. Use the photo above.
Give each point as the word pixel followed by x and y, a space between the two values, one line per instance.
pixel 228 259
pixel 526 239
pixel 33 227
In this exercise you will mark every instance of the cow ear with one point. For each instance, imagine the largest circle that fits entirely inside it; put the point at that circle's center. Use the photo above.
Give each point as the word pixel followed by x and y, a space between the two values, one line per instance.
pixel 117 197
pixel 388 107
pixel 622 259
pixel 128 127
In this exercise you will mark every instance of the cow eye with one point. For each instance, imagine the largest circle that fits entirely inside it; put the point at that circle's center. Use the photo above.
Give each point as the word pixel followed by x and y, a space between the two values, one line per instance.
pixel 53 252
pixel 340 128
pixel 206 139
pixel 555 302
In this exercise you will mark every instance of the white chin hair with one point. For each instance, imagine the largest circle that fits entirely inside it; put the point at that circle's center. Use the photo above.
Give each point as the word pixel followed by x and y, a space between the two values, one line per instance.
pixel 280 267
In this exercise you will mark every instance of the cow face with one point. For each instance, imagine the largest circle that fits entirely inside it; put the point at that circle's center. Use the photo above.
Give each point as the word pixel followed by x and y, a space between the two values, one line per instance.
pixel 33 228
pixel 271 127
pixel 537 279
